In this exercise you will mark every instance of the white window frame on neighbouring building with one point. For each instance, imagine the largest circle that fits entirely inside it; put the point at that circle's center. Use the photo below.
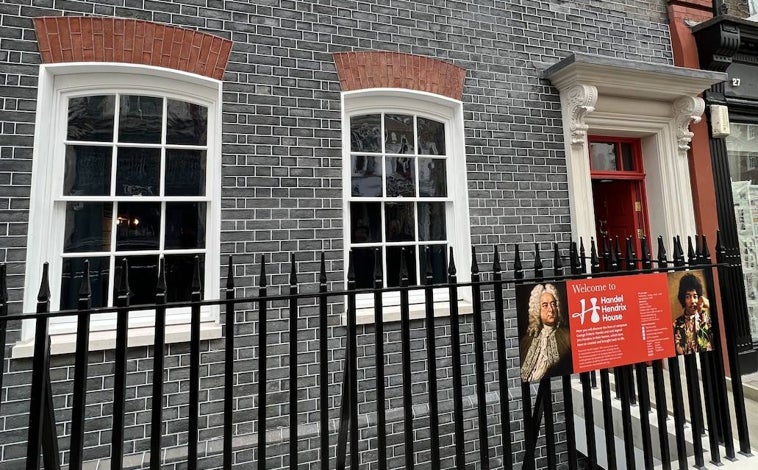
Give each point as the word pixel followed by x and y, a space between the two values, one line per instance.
pixel 415 107
pixel 58 85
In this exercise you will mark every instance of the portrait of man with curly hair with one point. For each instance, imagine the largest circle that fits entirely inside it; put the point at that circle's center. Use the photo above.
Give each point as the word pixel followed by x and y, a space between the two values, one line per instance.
pixel 545 346
pixel 692 327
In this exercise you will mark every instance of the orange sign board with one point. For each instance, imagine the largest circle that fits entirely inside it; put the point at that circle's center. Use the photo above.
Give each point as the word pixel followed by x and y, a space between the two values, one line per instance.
pixel 615 321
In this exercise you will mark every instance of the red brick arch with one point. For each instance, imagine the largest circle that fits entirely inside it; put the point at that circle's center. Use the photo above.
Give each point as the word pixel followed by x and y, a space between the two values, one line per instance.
pixel 375 69
pixel 100 39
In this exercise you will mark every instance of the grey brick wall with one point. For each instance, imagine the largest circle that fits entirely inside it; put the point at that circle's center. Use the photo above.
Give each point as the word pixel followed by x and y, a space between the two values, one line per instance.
pixel 282 184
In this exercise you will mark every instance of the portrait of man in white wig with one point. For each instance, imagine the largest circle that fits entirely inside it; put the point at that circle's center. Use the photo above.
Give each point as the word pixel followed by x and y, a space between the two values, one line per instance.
pixel 545 347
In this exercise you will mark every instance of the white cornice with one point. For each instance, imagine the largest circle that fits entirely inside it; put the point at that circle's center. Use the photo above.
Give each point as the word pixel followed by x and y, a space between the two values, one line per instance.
pixel 616 77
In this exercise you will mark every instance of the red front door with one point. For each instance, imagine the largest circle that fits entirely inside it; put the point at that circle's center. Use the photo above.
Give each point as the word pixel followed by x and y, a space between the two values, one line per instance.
pixel 618 191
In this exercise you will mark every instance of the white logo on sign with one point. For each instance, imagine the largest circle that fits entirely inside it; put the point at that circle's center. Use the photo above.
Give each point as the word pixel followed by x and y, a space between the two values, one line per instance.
pixel 594 309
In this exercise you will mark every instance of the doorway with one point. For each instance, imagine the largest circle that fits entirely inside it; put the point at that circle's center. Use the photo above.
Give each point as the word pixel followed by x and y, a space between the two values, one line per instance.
pixel 618 191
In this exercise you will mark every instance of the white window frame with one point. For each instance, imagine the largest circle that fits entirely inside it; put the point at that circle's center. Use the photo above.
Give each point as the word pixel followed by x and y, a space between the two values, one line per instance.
pixel 57 83
pixel 438 108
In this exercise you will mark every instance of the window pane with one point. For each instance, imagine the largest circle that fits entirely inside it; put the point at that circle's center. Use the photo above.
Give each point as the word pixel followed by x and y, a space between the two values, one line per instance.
pixel 366 179
pixel 185 225
pixel 438 259
pixel 627 157
pixel 603 156
pixel 363 266
pixel 400 221
pixel 88 171
pixel 400 177
pixel 88 227
pixel 365 132
pixel 72 275
pixel 90 118
pixel 143 277
pixel 431 137
pixel 393 265
pixel 187 123
pixel 398 132
pixel 179 272
pixel 185 172
pixel 431 221
pixel 432 176
pixel 138 172
pixel 365 222
pixel 140 119
pixel 138 226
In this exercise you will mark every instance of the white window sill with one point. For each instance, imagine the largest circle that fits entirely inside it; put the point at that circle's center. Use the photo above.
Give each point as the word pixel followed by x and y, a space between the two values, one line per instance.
pixel 106 339
pixel 391 313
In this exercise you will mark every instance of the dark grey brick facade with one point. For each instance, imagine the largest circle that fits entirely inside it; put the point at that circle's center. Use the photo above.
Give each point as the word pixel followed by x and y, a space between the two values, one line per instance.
pixel 281 187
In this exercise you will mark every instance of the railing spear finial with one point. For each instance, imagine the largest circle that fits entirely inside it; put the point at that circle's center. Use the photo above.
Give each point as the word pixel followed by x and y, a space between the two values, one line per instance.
pixel 647 262
pixel 662 261
pixel 518 269
pixel 474 265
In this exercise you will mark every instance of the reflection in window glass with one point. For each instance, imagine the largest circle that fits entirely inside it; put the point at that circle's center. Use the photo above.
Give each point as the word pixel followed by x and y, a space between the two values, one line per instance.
pixel 88 171
pixel 627 157
pixel 180 270
pixel 431 137
pixel 187 123
pixel 432 176
pixel 185 172
pixel 365 222
pixel 90 118
pixel 72 275
pixel 138 226
pixel 742 148
pixel 397 159
pixel 138 171
pixel 365 132
pixel 185 225
pixel 88 227
pixel 143 273
pixel 366 176
pixel 140 120
pixel 398 132
pixel 603 156
pixel 166 156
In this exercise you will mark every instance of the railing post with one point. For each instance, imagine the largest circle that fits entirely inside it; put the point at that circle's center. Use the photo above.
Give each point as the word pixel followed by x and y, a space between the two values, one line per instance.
pixel 3 321
pixel 80 371
pixel 691 374
pixel 159 342
pixel 405 344
pixel 724 422
pixel 229 365
pixel 677 400
pixel 585 377
pixel 262 365
pixel 323 365
pixel 568 397
pixel 38 413
pixel 119 379
pixel 481 392
pixel 351 364
pixel 710 380
pixel 505 414
pixel 455 349
pixel 194 391
pixel 293 363
pixel 381 431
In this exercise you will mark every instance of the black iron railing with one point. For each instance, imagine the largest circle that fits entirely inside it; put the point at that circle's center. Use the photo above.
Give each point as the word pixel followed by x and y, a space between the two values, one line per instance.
pixel 446 446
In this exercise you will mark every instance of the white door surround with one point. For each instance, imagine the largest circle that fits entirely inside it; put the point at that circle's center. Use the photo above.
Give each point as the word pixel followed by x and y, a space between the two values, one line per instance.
pixel 656 103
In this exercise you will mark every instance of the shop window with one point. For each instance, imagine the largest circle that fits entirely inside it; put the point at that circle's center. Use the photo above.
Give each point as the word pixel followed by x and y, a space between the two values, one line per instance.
pixel 742 148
